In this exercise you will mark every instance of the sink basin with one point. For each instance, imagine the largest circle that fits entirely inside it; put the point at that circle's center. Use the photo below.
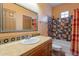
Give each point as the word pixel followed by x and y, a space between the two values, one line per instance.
pixel 32 40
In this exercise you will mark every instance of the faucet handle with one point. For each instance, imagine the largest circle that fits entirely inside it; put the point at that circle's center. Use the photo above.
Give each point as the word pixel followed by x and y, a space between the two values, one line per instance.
pixel 26 36
pixel 29 37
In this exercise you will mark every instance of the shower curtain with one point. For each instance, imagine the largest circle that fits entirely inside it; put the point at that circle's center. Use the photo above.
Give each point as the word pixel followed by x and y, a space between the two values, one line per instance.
pixel 75 33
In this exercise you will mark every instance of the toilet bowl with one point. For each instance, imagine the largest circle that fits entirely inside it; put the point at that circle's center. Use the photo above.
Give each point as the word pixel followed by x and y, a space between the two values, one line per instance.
pixel 57 50
pixel 56 47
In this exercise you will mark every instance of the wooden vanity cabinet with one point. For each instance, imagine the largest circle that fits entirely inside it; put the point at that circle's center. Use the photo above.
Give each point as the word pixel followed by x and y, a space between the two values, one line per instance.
pixel 45 49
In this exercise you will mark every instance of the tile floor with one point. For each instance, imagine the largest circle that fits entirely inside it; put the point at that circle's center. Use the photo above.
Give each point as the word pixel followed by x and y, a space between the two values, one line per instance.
pixel 65 46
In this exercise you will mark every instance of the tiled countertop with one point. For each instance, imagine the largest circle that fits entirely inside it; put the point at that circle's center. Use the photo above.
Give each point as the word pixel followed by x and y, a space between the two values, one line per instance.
pixel 17 48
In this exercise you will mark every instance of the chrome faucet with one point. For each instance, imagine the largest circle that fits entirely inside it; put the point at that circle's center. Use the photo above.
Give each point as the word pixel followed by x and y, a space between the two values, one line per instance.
pixel 27 37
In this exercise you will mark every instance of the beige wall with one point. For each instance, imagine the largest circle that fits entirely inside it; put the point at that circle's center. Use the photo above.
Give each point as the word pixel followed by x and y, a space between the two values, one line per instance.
pixel 45 10
pixel 63 7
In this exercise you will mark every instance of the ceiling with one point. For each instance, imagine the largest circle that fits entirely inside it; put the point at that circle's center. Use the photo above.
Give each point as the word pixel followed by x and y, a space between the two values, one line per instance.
pixel 54 4
pixel 30 6
pixel 34 6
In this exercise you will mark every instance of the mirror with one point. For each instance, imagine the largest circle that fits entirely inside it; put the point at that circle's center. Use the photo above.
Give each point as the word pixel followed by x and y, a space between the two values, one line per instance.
pixel 17 18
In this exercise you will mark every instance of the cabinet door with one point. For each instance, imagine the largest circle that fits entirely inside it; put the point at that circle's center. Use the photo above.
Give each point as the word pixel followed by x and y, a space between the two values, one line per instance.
pixel 42 50
pixel 48 48
pixel 38 53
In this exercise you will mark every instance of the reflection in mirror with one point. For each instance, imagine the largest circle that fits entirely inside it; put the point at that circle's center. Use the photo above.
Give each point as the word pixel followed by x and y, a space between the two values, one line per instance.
pixel 17 18
pixel 27 22
pixel 1 16
pixel 9 22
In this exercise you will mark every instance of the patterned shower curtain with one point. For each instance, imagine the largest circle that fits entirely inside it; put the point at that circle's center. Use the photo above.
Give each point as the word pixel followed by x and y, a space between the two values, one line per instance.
pixel 75 33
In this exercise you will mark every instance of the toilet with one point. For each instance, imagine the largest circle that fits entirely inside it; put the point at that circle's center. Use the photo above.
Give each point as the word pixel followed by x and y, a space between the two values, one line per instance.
pixel 57 50
pixel 57 47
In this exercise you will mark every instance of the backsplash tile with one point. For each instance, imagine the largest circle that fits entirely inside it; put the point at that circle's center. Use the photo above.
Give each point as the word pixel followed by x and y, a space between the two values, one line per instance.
pixel 5 40
pixel 11 37
pixel 22 37
pixel 0 42
pixel 35 34
pixel 18 38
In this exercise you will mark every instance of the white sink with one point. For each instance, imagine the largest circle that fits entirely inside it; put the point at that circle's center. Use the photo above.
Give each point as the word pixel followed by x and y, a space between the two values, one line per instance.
pixel 32 40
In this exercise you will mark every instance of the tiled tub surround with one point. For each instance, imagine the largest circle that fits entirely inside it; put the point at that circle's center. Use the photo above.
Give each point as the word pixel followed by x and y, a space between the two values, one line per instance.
pixel 11 37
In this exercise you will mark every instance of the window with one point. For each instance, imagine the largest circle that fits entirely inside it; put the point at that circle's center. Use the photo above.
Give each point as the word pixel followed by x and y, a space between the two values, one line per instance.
pixel 64 14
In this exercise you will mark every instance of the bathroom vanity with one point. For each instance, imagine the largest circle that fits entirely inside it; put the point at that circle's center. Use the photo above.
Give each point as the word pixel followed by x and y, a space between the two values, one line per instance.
pixel 41 48
pixel 15 27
